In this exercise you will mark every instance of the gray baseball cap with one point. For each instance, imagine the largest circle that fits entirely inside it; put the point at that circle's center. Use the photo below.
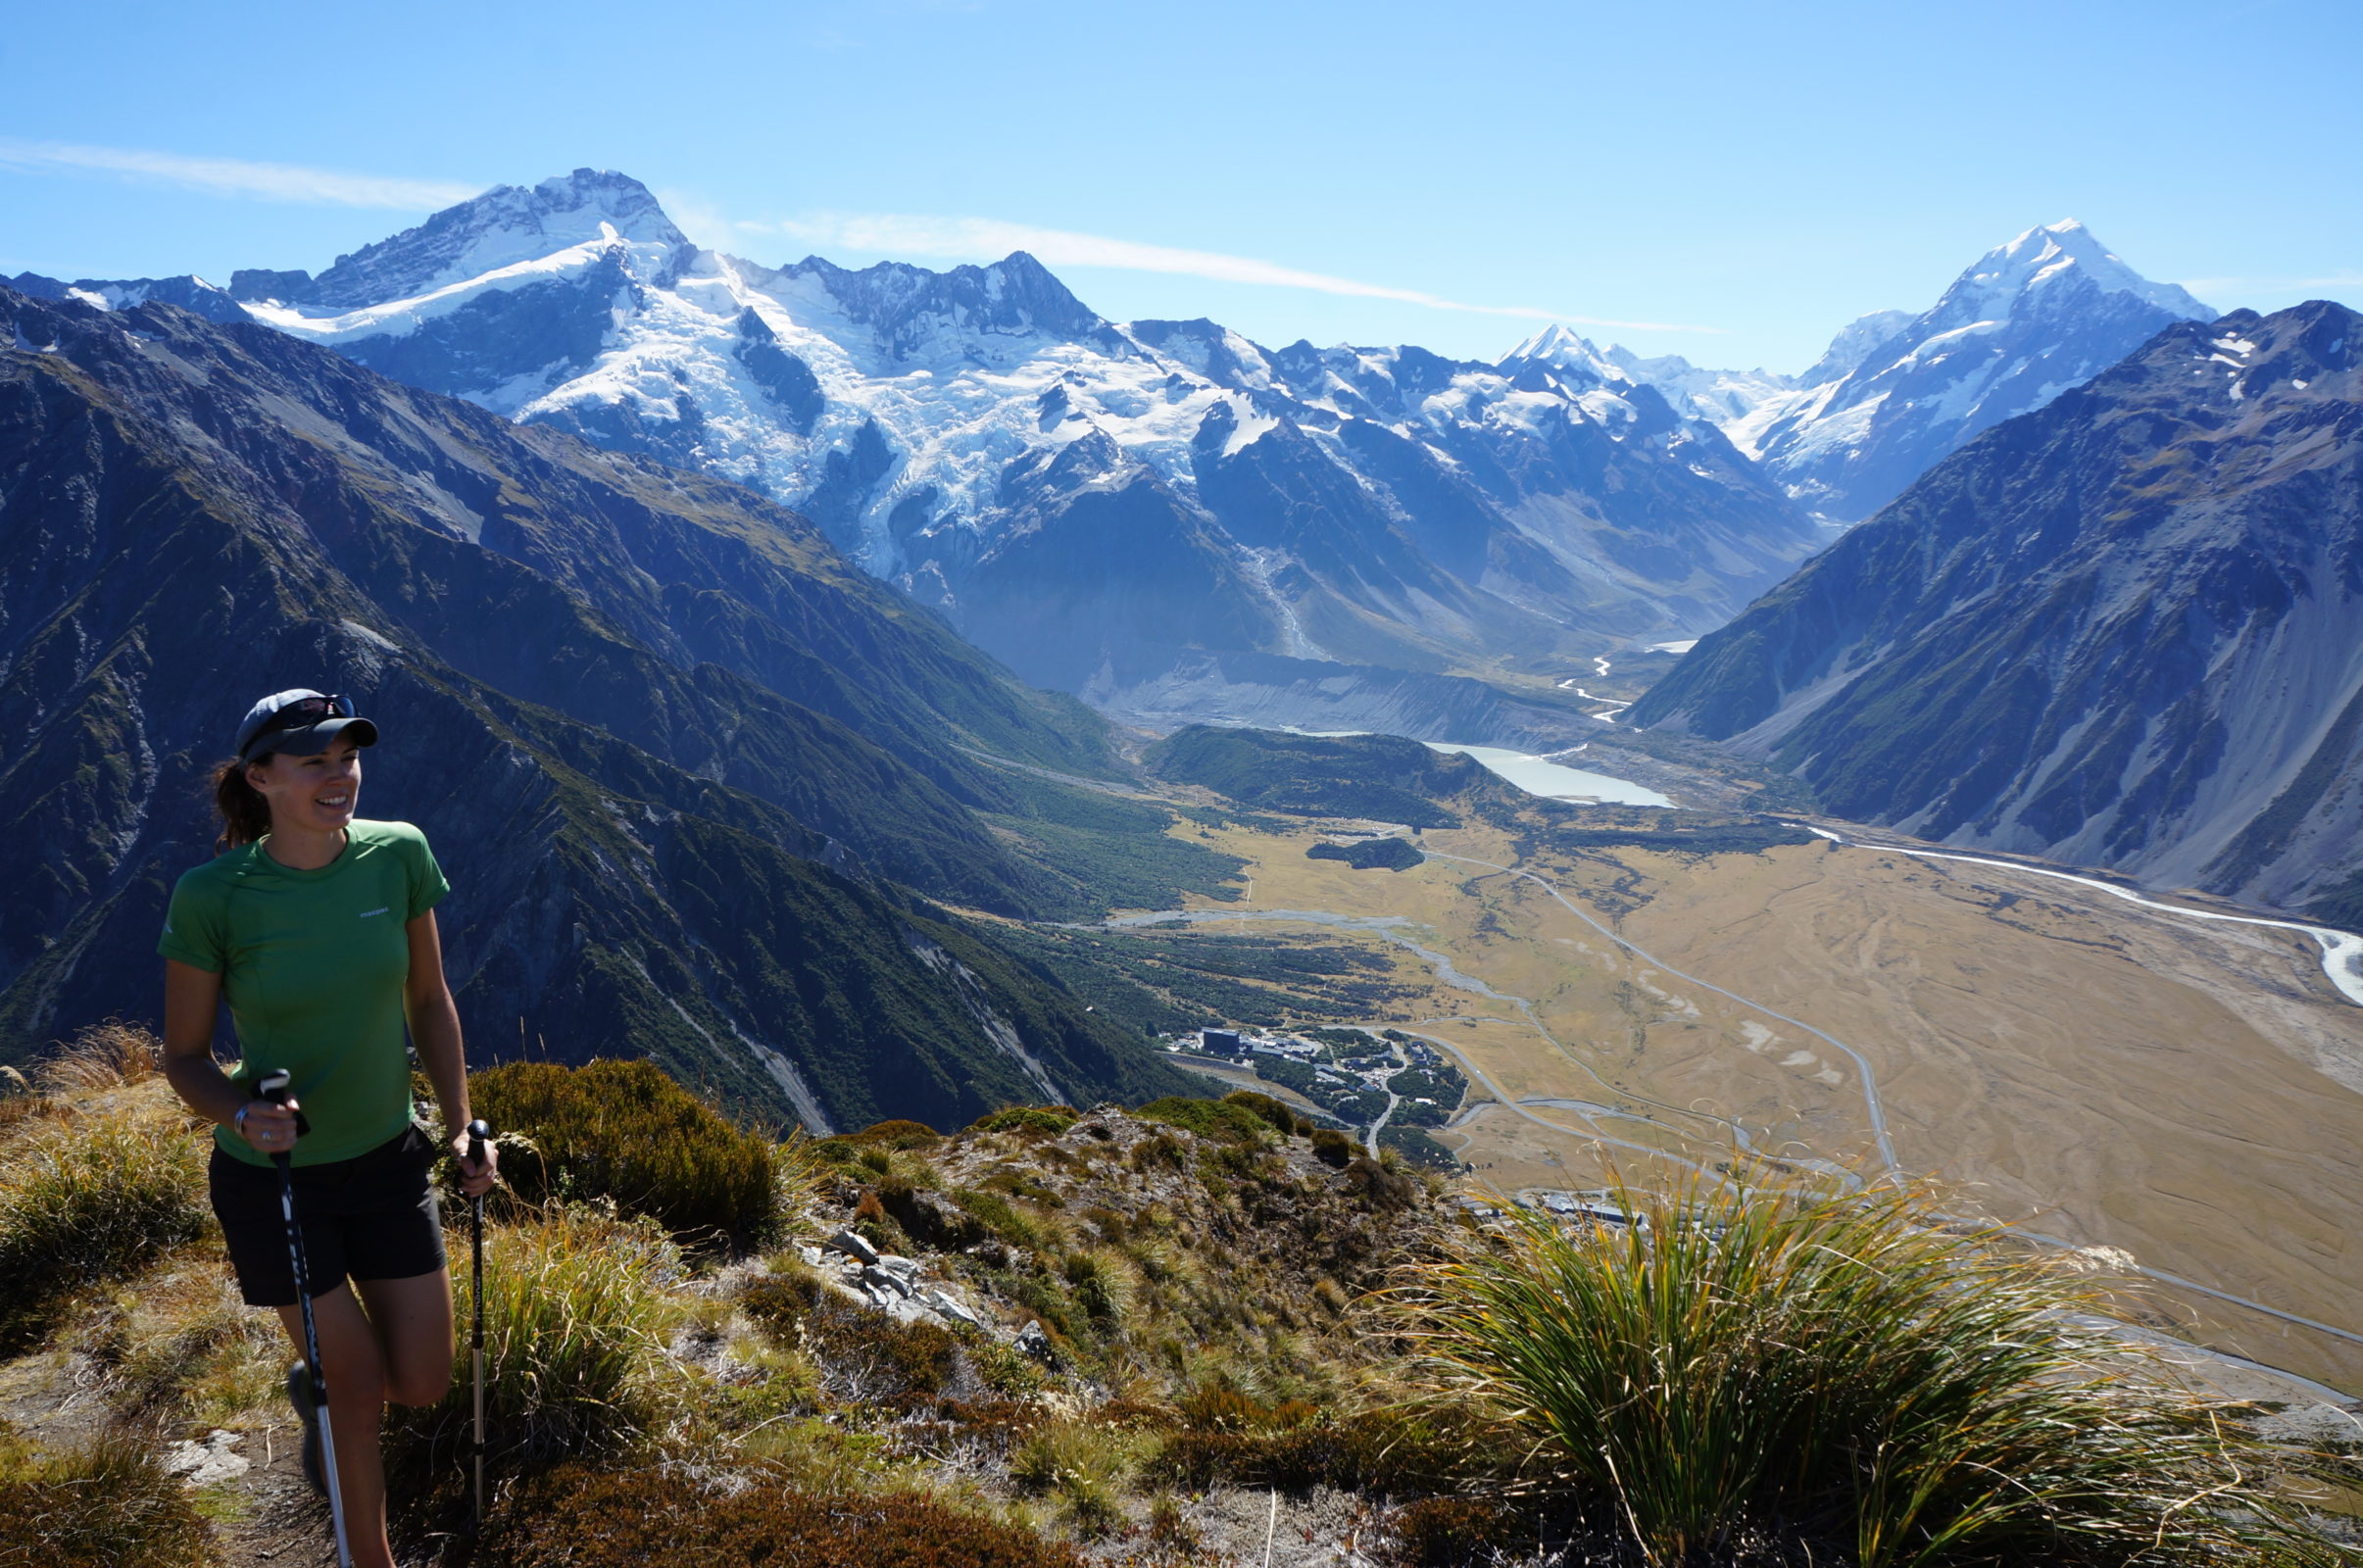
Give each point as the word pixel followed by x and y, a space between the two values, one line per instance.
pixel 300 722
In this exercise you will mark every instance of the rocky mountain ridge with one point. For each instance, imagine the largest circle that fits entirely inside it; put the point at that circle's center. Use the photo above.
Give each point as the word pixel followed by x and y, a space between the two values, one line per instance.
pixel 2125 630
pixel 1121 510
pixel 684 764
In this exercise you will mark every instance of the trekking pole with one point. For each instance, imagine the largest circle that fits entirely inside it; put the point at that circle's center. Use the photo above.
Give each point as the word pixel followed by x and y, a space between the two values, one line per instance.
pixel 273 1086
pixel 478 1133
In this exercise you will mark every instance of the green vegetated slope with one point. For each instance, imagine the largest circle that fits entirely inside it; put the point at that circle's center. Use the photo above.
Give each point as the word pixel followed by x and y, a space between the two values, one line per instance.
pixel 1382 778
pixel 1371 855
pixel 654 852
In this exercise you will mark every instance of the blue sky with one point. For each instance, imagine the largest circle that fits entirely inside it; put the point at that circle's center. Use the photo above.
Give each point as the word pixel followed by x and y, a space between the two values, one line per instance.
pixel 1730 182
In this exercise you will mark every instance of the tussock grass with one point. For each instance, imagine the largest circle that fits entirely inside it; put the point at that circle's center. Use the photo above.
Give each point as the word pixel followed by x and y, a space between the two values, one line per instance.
pixel 625 1132
pixel 1083 1465
pixel 113 1054
pixel 179 1346
pixel 85 1201
pixel 577 1315
pixel 108 1505
pixel 1841 1368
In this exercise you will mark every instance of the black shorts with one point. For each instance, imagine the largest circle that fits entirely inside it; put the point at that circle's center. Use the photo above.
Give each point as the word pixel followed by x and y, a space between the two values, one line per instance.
pixel 370 1217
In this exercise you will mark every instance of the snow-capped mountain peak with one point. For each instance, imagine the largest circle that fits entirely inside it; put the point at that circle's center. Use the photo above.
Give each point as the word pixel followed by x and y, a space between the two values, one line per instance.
pixel 909 306
pixel 1895 392
pixel 1123 511
pixel 1563 350
pixel 2044 260
pixel 505 226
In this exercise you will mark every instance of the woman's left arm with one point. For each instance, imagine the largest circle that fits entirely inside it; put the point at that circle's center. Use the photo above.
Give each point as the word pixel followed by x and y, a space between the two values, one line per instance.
pixel 435 1030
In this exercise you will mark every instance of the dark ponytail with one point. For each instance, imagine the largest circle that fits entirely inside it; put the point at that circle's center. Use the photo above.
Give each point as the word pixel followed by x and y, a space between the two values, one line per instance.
pixel 245 814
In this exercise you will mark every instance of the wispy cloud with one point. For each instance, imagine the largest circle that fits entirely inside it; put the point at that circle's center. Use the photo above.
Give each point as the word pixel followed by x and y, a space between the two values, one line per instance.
pixel 237 178
pixel 988 239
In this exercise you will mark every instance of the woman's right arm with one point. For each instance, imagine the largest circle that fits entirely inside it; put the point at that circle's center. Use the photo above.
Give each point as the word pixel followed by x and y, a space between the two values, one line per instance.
pixel 190 998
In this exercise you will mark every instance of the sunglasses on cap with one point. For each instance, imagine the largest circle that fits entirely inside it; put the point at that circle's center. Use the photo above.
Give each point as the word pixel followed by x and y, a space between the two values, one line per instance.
pixel 299 713
pixel 309 710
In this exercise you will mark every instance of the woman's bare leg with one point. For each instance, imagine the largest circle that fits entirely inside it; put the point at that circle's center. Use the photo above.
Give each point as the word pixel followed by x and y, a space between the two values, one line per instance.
pixel 412 1320
pixel 398 1350
pixel 354 1366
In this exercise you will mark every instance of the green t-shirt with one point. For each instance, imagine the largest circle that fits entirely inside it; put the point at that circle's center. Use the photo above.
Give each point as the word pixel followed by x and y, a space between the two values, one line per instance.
pixel 314 965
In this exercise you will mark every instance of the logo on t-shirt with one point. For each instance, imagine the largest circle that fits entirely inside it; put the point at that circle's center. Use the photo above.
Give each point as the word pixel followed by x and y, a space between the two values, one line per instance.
pixel 380 909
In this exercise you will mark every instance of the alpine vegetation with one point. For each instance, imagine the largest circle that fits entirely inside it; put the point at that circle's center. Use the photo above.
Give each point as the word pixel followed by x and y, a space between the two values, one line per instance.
pixel 623 1132
pixel 1824 1372
pixel 87 1198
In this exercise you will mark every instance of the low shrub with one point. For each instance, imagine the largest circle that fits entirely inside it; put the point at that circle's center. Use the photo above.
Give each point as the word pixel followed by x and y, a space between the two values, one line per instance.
pixel 576 1320
pixel 897 1135
pixel 1378 1186
pixel 108 1505
pixel 860 1350
pixel 1454 1532
pixel 1024 1184
pixel 999 1215
pixel 1748 1360
pixel 585 1518
pixel 1040 1121
pixel 1332 1148
pixel 85 1201
pixel 1220 1407
pixel 931 1218
pixel 1221 1121
pixel 874 1358
pixel 624 1131
pixel 1279 1116
pixel 1363 1452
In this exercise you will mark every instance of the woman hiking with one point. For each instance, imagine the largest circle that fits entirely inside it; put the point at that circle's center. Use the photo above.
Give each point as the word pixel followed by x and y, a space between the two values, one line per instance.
pixel 319 929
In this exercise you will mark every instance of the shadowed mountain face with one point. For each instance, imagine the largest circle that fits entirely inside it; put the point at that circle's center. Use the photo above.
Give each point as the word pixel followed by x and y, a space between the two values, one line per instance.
pixel 1137 512
pixel 675 755
pixel 2126 630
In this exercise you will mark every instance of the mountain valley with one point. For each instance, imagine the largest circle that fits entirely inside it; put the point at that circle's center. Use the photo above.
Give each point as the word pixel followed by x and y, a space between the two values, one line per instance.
pixel 844 686
pixel 2189 1091
pixel 2121 631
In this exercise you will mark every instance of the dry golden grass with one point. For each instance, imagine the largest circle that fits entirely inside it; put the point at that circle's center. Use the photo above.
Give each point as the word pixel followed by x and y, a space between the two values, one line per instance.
pixel 106 1055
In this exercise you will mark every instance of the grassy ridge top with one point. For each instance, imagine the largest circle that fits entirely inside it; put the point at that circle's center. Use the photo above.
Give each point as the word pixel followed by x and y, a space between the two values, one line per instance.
pixel 1064 1335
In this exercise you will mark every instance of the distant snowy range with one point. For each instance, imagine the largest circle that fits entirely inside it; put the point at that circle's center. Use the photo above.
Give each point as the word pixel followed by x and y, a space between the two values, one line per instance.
pixel 1173 522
